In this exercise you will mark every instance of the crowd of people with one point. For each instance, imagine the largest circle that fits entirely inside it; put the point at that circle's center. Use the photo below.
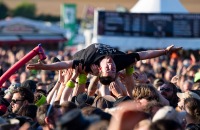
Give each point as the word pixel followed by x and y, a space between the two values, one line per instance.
pixel 102 88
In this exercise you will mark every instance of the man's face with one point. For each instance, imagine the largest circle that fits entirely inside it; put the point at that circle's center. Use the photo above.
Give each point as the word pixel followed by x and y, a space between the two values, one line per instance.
pixel 166 91
pixel 168 75
pixel 108 67
pixel 16 102
pixel 186 87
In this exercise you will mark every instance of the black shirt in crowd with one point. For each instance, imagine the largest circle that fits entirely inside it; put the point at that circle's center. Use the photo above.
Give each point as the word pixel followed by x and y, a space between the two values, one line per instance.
pixel 94 53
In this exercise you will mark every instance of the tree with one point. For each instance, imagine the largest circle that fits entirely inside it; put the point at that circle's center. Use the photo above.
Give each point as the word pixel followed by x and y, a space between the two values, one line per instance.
pixel 3 10
pixel 25 9
pixel 47 17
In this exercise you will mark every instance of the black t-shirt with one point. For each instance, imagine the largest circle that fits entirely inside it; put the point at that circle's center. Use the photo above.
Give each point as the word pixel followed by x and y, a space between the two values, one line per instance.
pixel 95 52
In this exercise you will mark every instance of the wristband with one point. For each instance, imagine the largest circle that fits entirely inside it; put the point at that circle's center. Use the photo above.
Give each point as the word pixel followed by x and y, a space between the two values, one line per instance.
pixel 129 70
pixel 70 84
pixel 82 79
pixel 73 81
pixel 41 101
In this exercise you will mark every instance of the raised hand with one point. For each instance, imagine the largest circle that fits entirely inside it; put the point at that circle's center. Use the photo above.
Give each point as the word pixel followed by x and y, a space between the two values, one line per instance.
pixel 171 48
pixel 115 89
pixel 61 76
pixel 95 69
pixel 67 74
pixel 76 72
pixel 36 66
pixel 81 69
pixel 175 79
pixel 140 77
pixel 122 77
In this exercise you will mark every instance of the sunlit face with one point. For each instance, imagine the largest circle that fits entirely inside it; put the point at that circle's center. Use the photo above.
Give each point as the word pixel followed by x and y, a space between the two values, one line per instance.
pixel 16 102
pixel 186 87
pixel 166 91
pixel 108 67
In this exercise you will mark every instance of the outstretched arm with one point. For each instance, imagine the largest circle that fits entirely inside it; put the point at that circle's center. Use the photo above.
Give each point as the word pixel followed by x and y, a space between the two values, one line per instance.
pixel 155 53
pixel 54 66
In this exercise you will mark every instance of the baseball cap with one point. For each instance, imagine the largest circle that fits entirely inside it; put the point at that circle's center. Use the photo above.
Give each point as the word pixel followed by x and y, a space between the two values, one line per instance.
pixel 188 94
pixel 30 84
pixel 14 77
pixel 168 112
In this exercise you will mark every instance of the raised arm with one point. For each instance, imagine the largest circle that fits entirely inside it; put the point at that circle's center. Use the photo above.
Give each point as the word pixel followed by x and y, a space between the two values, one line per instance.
pixel 93 86
pixel 53 66
pixel 69 87
pixel 64 77
pixel 155 53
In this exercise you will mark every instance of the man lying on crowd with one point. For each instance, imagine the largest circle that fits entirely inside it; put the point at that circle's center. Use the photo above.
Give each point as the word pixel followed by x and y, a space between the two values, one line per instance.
pixel 103 60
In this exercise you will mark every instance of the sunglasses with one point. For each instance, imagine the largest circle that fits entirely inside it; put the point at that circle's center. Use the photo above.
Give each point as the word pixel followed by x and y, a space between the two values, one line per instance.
pixel 15 101
pixel 165 89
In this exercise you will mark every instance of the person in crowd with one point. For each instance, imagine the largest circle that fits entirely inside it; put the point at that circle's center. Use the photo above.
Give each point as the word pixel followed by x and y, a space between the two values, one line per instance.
pixel 152 107
pixel 103 60
pixel 192 108
pixel 67 106
pixel 30 111
pixel 196 86
pixel 183 96
pixel 187 85
pixel 93 111
pixel 165 124
pixel 127 116
pixel 3 105
pixel 41 88
pixel 30 84
pixel 169 90
pixel 14 79
pixel 169 73
pixel 158 83
pixel 169 113
pixel 47 116
pixel 21 98
pixel 144 93
pixel 75 120
pixel 115 98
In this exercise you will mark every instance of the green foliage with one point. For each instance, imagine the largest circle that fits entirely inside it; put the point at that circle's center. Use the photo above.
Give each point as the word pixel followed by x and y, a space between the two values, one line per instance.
pixel 25 9
pixel 46 17
pixel 3 10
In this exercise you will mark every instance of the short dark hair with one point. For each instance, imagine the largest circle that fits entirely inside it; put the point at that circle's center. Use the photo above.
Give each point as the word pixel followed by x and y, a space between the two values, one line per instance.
pixel 42 113
pixel 193 108
pixel 68 106
pixel 90 110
